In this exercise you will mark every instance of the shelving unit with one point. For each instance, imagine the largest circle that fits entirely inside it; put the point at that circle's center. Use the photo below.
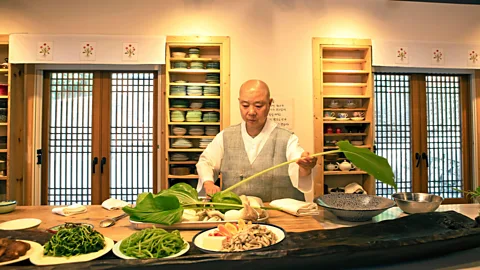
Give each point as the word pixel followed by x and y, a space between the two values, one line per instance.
pixel 343 84
pixel 4 117
pixel 212 50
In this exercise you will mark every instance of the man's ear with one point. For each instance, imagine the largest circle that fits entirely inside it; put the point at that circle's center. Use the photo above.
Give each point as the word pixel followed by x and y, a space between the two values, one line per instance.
pixel 270 103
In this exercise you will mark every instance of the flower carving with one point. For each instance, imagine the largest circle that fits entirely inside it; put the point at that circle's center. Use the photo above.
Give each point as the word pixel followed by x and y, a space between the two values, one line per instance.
pixel 437 55
pixel 87 50
pixel 44 49
pixel 130 50
pixel 402 54
pixel 473 56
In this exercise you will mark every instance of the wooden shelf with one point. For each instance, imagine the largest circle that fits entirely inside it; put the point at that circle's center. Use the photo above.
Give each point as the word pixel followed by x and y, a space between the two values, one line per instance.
pixel 344 109
pixel 194 60
pixel 194 97
pixel 336 147
pixel 3 97
pixel 189 176
pixel 346 122
pixel 190 109
pixel 189 162
pixel 195 84
pixel 343 134
pixel 346 96
pixel 195 71
pixel 345 84
pixel 191 137
pixel 343 71
pixel 3 150
pixel 344 172
pixel 193 150
pixel 4 70
pixel 195 123
pixel 344 61
pixel 3 178
pixel 3 124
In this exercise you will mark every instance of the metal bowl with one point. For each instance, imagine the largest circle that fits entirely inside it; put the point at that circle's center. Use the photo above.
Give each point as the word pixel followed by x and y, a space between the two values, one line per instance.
pixel 412 203
pixel 354 207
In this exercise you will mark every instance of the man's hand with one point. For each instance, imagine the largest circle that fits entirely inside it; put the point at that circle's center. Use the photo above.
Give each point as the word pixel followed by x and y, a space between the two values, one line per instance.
pixel 306 164
pixel 210 188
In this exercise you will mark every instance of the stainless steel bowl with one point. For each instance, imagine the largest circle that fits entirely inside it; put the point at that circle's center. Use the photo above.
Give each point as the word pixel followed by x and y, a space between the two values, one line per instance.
pixel 412 203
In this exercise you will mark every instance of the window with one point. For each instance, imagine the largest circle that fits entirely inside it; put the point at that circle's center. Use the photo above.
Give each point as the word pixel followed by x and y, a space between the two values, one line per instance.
pixel 99 135
pixel 422 128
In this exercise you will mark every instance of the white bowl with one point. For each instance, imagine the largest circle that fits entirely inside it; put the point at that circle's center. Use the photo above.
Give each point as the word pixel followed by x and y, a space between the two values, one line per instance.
pixel 356 143
pixel 7 206
pixel 178 54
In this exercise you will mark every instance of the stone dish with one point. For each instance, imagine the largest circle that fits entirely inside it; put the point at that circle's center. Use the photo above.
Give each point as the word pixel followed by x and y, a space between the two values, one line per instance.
pixel 354 207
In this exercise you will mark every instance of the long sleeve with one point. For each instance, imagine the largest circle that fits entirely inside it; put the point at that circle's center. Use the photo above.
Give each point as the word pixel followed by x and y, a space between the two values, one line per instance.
pixel 208 165
pixel 305 183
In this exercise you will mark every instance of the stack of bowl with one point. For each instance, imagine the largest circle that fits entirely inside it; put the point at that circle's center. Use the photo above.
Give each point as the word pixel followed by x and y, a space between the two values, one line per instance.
pixel 179 131
pixel 211 104
pixel 178 54
pixel 213 65
pixel 180 103
pixel 211 91
pixel 212 78
pixel 179 157
pixel 204 143
pixel 194 52
pixel 177 116
pixel 178 90
pixel 196 130
pixel 212 130
pixel 180 64
pixel 210 117
pixel 196 65
pixel 193 90
pixel 194 116
pixel 182 143
pixel 196 104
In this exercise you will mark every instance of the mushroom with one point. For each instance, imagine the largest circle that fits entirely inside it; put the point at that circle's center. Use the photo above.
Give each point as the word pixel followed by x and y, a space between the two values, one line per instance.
pixel 216 213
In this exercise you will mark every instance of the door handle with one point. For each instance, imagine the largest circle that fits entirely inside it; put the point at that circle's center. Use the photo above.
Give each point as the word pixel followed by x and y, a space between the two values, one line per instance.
pixel 94 164
pixel 418 158
pixel 102 163
pixel 425 157
pixel 39 156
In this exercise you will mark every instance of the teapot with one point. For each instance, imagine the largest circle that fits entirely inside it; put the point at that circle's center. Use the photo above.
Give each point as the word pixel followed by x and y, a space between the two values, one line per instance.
pixel 346 166
pixel 331 167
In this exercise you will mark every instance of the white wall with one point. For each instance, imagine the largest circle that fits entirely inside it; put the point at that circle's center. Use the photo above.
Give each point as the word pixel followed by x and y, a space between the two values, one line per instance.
pixel 270 40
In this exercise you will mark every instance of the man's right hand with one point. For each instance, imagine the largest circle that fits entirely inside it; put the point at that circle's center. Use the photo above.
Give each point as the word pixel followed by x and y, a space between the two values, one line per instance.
pixel 210 188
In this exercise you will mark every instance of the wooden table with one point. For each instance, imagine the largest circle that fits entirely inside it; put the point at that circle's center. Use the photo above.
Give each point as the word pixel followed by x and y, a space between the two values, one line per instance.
pixel 122 229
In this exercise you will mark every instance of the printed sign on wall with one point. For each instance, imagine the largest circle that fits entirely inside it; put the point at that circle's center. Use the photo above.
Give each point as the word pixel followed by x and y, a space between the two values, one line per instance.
pixel 130 51
pixel 88 51
pixel 281 112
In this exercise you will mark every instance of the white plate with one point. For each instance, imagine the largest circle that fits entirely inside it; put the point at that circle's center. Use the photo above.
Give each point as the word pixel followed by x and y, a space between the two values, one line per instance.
pixel 34 247
pixel 358 118
pixel 118 253
pixel 39 259
pixel 199 238
pixel 20 224
pixel 328 118
pixel 342 119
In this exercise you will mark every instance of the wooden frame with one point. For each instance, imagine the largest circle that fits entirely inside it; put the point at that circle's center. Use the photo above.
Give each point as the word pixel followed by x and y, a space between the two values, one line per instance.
pixel 223 45
pixel 353 75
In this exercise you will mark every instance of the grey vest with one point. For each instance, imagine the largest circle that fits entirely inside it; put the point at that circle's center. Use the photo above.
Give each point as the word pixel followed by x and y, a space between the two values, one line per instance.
pixel 235 166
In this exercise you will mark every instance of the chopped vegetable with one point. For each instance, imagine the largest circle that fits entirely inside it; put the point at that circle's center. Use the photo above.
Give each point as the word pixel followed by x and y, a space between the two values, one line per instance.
pixel 152 243
pixel 73 240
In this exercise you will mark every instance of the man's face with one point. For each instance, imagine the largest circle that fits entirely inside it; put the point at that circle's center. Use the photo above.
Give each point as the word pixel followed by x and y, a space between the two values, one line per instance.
pixel 254 107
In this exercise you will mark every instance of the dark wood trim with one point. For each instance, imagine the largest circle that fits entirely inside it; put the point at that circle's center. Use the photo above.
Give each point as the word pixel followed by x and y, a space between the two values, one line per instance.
pixel 417 108
pixel 105 135
pixel 45 137
pixel 157 108
pixel 97 104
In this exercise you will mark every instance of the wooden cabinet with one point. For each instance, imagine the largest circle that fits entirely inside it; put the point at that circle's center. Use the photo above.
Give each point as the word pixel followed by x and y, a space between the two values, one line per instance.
pixel 4 127
pixel 343 105
pixel 196 99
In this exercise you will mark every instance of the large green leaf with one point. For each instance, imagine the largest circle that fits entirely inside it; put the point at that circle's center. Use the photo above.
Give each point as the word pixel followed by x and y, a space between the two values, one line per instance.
pixel 368 161
pixel 226 197
pixel 162 209
pixel 185 193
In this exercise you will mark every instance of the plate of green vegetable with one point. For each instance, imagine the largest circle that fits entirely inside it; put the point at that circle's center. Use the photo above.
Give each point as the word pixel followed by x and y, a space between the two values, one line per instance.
pixel 151 243
pixel 73 243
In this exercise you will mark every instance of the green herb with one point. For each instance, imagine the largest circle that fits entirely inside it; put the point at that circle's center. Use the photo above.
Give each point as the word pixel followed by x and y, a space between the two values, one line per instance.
pixel 474 194
pixel 152 243
pixel 227 197
pixel 73 239
pixel 160 209
pixel 362 158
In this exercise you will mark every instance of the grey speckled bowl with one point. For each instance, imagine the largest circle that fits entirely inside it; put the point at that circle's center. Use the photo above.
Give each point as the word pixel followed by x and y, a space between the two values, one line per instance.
pixel 354 207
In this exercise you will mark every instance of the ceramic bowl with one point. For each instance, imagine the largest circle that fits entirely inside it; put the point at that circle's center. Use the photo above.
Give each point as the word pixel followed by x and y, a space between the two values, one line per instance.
pixel 7 206
pixel 412 203
pixel 356 143
pixel 178 54
pixel 354 207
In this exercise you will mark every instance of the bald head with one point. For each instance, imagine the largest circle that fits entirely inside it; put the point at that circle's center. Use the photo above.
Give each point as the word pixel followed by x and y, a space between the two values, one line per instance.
pixel 254 86
pixel 255 104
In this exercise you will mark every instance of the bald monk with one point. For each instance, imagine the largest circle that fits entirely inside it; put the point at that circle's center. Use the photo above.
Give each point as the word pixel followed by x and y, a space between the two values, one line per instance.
pixel 257 143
